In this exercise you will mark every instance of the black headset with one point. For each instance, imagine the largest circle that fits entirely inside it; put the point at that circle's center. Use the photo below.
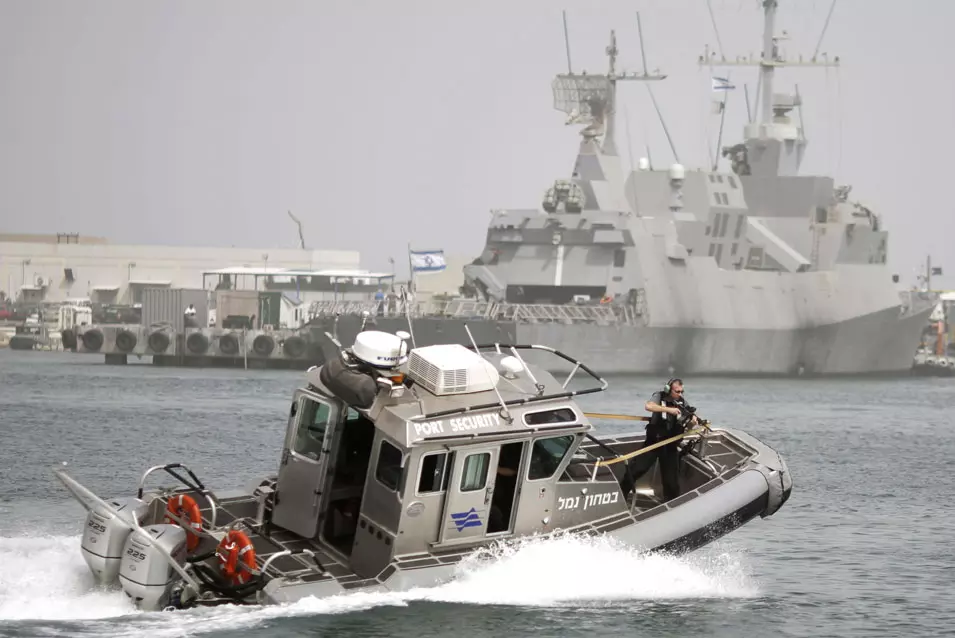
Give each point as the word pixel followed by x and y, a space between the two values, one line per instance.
pixel 669 384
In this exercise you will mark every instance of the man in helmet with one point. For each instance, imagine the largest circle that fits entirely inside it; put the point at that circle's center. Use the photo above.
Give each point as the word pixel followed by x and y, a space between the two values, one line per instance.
pixel 667 408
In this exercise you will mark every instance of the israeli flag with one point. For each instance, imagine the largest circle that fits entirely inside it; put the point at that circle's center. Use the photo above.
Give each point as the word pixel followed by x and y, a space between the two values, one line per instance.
pixel 428 260
pixel 722 84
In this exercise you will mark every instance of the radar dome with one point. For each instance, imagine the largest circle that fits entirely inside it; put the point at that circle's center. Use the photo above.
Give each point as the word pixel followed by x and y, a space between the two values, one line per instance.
pixel 380 349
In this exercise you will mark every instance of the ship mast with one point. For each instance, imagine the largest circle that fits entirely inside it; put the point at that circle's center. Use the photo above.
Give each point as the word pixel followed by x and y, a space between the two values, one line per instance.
pixel 592 99
pixel 773 122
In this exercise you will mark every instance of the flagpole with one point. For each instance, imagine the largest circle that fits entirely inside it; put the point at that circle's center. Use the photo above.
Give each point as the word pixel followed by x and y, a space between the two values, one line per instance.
pixel 411 285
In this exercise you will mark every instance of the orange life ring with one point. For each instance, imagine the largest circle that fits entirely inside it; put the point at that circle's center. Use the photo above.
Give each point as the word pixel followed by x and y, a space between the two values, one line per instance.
pixel 234 547
pixel 175 506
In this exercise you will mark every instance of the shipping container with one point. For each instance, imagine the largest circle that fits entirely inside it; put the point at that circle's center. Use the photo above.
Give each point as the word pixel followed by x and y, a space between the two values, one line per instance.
pixel 168 305
pixel 236 303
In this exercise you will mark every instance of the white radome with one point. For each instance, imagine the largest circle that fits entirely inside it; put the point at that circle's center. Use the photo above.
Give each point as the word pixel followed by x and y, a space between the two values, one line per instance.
pixel 380 349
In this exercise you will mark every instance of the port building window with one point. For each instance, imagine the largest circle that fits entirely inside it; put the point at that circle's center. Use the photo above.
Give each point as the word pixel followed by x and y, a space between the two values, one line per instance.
pixel 388 471
pixel 434 473
pixel 546 456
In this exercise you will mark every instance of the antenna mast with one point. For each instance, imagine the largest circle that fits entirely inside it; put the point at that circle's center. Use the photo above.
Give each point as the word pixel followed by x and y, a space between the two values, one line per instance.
pixel 592 98
pixel 779 143
pixel 770 59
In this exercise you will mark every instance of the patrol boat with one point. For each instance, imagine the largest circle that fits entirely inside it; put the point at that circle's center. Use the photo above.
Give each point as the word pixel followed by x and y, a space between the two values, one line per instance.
pixel 398 462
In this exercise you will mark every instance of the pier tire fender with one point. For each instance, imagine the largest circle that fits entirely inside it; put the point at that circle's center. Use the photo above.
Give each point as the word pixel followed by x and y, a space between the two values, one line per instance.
pixel 125 341
pixel 197 343
pixel 234 547
pixel 92 340
pixel 176 505
pixel 68 337
pixel 158 341
pixel 263 345
pixel 228 344
pixel 294 347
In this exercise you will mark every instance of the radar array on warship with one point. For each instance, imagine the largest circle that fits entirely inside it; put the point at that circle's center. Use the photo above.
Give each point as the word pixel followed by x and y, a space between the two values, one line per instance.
pixel 394 468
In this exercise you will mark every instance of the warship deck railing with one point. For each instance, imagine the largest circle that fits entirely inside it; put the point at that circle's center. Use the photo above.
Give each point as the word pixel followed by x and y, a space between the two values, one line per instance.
pixel 599 314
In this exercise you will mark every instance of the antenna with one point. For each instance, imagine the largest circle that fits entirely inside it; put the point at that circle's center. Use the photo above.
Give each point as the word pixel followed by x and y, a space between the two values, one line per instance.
pixel 749 112
pixel 505 413
pixel 570 69
pixel 653 98
pixel 411 291
pixel 802 120
pixel 643 53
pixel 410 326
pixel 301 237
pixel 719 136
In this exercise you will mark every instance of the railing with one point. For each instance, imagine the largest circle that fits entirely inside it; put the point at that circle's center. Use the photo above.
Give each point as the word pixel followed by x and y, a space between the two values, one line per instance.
pixel 599 314
pixel 543 394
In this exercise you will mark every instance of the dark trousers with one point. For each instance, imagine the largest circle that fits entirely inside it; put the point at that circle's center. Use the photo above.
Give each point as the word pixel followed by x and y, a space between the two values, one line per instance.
pixel 669 457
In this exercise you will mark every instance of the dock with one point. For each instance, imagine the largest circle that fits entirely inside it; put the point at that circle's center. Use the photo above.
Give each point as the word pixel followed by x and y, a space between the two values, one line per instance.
pixel 203 347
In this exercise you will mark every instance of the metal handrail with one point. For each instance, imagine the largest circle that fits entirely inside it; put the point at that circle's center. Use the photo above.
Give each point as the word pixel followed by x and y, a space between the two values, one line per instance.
pixel 525 400
pixel 198 486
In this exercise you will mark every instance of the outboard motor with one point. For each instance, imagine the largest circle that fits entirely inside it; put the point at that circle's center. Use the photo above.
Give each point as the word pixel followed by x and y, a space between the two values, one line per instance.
pixel 145 574
pixel 105 536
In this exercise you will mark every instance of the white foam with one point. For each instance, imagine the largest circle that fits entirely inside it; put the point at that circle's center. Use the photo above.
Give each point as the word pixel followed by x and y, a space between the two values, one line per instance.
pixel 47 579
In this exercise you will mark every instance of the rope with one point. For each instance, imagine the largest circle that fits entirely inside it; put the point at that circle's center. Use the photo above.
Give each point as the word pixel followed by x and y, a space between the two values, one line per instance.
pixel 650 448
pixel 623 417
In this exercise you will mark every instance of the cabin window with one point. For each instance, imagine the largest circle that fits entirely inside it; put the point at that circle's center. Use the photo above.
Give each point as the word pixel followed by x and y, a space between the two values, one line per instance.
pixel 619 258
pixel 474 475
pixel 550 417
pixel 434 473
pixel 310 434
pixel 547 456
pixel 388 471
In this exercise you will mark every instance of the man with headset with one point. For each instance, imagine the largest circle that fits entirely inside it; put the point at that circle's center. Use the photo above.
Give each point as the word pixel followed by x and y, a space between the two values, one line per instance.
pixel 666 407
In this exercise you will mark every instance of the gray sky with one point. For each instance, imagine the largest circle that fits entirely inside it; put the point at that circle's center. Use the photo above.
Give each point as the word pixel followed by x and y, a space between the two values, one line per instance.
pixel 380 123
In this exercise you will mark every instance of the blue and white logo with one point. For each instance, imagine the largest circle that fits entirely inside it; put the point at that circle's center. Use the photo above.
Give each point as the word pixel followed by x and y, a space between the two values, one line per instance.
pixel 466 519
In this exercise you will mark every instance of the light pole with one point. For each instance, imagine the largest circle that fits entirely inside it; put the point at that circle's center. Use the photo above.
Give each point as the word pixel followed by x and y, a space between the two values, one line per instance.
pixel 23 272
pixel 129 287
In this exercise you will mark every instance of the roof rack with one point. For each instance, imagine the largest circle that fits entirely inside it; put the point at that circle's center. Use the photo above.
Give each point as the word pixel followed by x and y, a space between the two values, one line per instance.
pixel 525 400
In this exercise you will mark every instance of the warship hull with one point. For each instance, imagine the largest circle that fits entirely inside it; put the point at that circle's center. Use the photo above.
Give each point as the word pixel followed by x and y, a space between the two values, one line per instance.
pixel 877 343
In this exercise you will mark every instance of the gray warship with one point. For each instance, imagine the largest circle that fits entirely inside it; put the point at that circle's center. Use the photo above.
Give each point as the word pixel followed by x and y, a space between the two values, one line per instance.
pixel 759 270
pixel 395 467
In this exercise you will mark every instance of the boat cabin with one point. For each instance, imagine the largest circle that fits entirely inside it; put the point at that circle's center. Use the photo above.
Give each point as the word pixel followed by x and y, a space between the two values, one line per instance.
pixel 450 447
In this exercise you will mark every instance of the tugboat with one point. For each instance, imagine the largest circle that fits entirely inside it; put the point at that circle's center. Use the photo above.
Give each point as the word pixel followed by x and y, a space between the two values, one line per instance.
pixel 398 462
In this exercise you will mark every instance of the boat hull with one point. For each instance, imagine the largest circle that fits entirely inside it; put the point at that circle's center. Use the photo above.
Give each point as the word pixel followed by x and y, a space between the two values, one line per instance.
pixel 680 526
pixel 878 343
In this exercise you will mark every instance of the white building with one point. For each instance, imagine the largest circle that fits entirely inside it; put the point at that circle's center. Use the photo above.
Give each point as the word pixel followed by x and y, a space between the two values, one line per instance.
pixel 69 266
